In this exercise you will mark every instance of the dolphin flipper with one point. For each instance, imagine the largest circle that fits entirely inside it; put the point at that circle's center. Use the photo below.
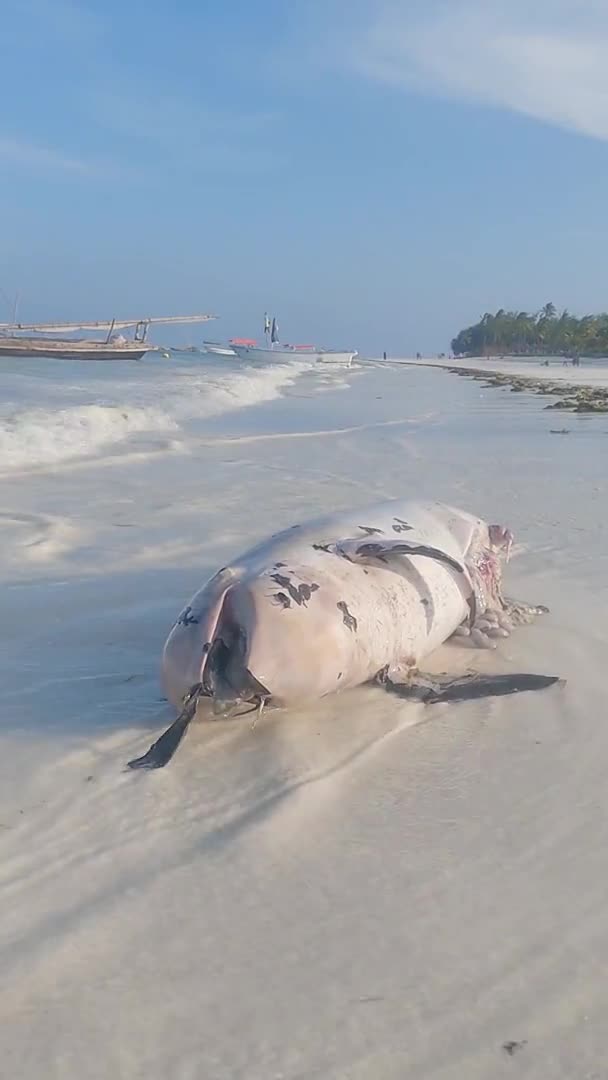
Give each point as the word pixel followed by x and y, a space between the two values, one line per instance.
pixel 161 752
pixel 430 689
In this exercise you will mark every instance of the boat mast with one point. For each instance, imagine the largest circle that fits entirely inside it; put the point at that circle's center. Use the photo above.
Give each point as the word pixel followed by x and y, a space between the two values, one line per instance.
pixel 141 325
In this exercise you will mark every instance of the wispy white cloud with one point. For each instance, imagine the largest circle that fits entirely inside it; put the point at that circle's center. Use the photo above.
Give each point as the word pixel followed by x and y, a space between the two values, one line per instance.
pixel 108 102
pixel 44 123
pixel 20 152
pixel 547 59
pixel 162 116
pixel 191 133
pixel 42 161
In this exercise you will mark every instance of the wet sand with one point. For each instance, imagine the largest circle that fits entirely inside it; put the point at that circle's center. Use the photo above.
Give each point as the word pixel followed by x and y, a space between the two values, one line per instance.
pixel 364 888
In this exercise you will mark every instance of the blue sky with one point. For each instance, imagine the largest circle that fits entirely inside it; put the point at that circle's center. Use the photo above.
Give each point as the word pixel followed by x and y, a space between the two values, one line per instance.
pixel 378 172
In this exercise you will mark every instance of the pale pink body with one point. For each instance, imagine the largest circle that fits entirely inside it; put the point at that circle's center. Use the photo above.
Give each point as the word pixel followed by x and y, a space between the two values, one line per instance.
pixel 313 610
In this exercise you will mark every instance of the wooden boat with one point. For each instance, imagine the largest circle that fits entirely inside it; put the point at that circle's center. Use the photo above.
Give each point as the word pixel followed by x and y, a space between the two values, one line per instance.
pixel 17 340
pixel 75 350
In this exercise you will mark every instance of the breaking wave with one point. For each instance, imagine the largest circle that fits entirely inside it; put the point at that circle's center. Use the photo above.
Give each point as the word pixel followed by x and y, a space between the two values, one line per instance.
pixel 98 409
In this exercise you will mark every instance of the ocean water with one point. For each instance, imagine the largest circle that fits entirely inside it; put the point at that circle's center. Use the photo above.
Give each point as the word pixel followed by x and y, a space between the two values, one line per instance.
pixel 54 410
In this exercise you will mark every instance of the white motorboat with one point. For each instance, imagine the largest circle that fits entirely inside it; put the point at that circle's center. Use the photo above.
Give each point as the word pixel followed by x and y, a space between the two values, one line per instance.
pixel 285 353
pixel 273 352
pixel 217 348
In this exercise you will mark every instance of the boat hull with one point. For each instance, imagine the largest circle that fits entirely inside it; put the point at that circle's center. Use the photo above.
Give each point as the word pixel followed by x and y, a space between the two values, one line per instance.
pixel 72 350
pixel 218 350
pixel 284 354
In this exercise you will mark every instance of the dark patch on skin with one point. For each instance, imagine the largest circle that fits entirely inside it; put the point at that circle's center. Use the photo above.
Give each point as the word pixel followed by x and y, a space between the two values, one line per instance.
pixel 282 599
pixel 513 1046
pixel 348 619
pixel 280 565
pixel 306 591
pixel 370 549
pixel 328 548
pixel 472 606
pixel 206 648
pixel 299 594
pixel 187 618
pixel 339 675
pixel 381 552
pixel 369 530
pixel 423 600
pixel 286 583
pixel 336 549
pixel 401 526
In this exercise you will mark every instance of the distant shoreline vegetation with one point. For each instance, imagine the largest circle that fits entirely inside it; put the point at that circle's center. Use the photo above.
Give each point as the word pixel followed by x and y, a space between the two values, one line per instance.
pixel 518 333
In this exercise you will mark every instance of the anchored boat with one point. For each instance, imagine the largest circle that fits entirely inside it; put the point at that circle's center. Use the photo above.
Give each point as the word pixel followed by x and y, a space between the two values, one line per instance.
pixel 16 338
pixel 249 350
pixel 283 353
pixel 217 348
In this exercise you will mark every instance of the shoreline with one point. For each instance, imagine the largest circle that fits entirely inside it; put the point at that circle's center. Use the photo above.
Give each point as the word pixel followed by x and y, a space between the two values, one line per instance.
pixel 582 392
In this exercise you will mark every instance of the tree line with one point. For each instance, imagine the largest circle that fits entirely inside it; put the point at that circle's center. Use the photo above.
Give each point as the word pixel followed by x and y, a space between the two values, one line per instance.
pixel 519 333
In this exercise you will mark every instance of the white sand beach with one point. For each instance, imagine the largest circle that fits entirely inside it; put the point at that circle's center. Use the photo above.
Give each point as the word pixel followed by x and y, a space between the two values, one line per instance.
pixel 589 374
pixel 366 889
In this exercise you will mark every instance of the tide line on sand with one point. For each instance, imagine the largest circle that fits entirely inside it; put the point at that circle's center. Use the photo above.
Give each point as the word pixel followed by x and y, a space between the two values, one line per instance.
pixel 231 439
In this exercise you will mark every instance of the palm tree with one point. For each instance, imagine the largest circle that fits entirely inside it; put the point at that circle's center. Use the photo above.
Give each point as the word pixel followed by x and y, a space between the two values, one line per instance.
pixel 525 328
pixel 488 330
pixel 545 332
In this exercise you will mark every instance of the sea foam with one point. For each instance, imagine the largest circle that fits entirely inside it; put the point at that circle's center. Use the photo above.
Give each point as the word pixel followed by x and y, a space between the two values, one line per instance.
pixel 109 406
